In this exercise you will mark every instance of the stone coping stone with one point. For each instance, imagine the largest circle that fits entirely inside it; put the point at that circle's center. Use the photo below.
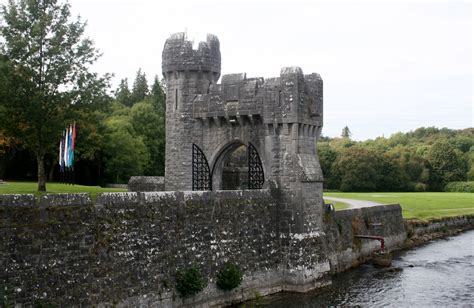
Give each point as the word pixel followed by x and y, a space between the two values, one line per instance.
pixel 160 196
pixel 370 209
pixel 146 183
pixel 117 198
pixel 79 199
pixel 17 200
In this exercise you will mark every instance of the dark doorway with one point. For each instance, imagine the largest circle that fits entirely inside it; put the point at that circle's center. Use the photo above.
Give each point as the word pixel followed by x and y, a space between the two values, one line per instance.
pixel 235 170
pixel 238 167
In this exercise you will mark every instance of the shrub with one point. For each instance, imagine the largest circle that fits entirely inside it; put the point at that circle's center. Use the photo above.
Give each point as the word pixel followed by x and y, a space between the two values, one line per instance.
pixel 229 277
pixel 460 187
pixel 190 282
pixel 420 187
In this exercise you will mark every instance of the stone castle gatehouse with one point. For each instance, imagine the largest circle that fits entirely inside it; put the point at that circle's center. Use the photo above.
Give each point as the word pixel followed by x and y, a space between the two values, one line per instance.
pixel 244 133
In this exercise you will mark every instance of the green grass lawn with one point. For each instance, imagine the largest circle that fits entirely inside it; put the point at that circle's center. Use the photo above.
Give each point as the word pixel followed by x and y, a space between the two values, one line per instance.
pixel 337 204
pixel 421 205
pixel 31 188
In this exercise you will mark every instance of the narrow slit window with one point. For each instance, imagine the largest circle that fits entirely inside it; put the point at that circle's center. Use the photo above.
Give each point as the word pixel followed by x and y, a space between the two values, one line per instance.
pixel 279 98
pixel 176 99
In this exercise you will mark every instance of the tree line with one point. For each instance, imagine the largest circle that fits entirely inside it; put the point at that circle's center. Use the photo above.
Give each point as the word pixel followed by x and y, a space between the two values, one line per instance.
pixel 121 136
pixel 47 82
pixel 426 159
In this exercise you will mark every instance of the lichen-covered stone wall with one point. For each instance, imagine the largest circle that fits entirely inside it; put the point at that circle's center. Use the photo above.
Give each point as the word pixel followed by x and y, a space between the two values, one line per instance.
pixel 345 250
pixel 126 248
pixel 146 183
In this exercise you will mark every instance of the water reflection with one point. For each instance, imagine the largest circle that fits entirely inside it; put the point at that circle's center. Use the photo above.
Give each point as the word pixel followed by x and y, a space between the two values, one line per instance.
pixel 438 274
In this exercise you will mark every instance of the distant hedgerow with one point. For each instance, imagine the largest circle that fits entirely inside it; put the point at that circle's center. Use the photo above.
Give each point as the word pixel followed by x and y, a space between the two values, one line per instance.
pixel 460 187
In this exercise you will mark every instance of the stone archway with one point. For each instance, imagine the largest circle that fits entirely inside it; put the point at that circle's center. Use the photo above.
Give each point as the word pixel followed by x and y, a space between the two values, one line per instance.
pixel 238 166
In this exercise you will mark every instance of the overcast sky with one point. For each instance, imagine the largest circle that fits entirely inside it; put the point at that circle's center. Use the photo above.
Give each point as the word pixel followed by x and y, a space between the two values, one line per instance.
pixel 387 67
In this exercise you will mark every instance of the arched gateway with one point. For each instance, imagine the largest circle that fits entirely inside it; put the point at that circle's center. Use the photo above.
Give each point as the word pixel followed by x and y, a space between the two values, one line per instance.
pixel 244 133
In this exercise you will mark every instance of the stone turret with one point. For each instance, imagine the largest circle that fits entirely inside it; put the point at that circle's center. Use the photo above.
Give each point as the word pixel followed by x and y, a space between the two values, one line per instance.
pixel 188 72
pixel 179 55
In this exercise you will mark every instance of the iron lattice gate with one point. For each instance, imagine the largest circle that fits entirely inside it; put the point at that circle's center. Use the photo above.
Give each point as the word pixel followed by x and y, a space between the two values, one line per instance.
pixel 256 176
pixel 202 179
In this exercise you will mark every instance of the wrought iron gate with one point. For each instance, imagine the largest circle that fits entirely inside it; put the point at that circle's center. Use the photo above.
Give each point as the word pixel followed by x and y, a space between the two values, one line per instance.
pixel 202 179
pixel 256 176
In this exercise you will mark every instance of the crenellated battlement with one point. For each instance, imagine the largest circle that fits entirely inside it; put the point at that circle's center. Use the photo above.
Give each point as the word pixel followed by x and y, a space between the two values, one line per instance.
pixel 179 55
pixel 291 98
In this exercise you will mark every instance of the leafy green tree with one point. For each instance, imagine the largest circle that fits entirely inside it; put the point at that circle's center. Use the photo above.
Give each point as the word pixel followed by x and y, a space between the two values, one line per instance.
pixel 140 88
pixel 125 152
pixel 358 169
pixel 470 160
pixel 446 164
pixel 150 124
pixel 46 61
pixel 327 156
pixel 392 176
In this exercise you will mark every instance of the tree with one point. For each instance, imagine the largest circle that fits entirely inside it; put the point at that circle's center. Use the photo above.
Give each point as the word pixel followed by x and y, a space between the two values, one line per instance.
pixel 327 156
pixel 126 153
pixel 158 96
pixel 346 133
pixel 150 124
pixel 446 164
pixel 123 94
pixel 140 88
pixel 46 61
pixel 358 169
pixel 8 145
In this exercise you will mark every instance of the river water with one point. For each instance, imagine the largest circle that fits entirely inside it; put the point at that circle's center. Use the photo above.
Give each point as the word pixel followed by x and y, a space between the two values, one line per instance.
pixel 440 273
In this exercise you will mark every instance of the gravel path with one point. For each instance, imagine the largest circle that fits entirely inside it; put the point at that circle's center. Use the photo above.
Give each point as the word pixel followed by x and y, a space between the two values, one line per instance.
pixel 353 203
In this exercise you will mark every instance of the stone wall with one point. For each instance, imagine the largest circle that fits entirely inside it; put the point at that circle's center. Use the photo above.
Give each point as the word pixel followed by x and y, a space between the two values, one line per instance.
pixel 345 250
pixel 146 183
pixel 419 228
pixel 127 247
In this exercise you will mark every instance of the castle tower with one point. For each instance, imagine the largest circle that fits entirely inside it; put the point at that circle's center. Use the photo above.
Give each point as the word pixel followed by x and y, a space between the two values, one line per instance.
pixel 188 72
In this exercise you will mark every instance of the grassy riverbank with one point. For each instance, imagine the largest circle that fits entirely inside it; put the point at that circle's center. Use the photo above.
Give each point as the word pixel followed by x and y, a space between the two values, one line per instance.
pixel 31 188
pixel 421 205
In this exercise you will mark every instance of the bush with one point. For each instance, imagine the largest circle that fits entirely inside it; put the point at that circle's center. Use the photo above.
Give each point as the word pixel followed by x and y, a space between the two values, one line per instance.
pixel 229 277
pixel 420 187
pixel 460 187
pixel 190 282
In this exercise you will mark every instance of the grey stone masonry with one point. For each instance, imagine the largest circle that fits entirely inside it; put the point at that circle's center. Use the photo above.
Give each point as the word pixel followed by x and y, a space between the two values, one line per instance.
pixel 127 248
pixel 281 117
pixel 146 183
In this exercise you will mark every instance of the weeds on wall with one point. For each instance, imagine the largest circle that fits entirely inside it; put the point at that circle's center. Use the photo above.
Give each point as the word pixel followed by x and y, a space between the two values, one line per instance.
pixel 190 281
pixel 229 277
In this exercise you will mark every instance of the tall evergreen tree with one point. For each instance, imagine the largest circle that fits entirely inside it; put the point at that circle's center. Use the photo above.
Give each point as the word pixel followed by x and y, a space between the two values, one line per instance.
pixel 123 94
pixel 140 88
pixel 158 95
pixel 346 133
pixel 47 71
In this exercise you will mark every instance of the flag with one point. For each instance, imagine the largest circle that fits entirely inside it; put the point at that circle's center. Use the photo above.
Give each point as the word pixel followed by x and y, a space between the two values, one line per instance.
pixel 66 147
pixel 61 153
pixel 73 137
pixel 70 152
pixel 73 134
